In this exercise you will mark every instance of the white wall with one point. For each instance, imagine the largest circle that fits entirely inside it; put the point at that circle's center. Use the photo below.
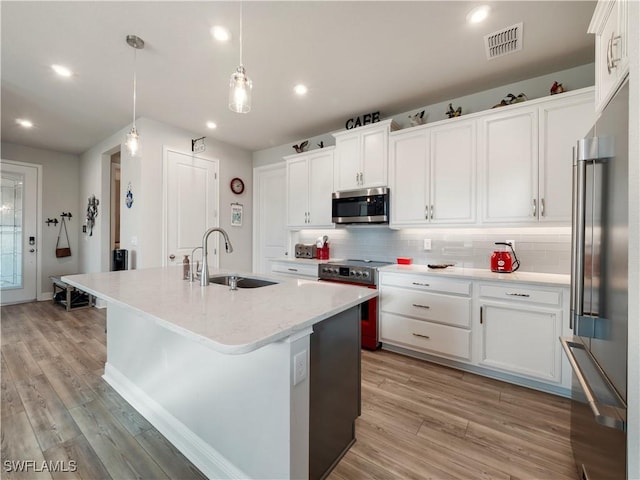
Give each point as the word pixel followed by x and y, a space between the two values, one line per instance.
pixel 60 193
pixel 141 225
pixel 572 79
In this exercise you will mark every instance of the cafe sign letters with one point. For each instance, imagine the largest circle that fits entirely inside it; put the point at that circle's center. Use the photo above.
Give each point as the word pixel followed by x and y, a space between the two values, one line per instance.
pixel 361 120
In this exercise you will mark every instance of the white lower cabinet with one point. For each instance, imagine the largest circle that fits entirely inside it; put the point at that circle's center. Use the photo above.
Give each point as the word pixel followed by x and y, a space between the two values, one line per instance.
pixel 521 339
pixel 509 330
pixel 426 336
pixel 307 270
pixel 429 315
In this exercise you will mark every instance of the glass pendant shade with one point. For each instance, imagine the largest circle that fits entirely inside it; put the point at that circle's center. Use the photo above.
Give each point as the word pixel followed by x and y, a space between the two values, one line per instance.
pixel 240 91
pixel 132 142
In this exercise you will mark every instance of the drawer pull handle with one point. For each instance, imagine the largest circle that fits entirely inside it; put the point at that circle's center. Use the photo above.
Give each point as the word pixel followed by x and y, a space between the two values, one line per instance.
pixel 525 295
pixel 421 336
pixel 292 269
pixel 417 305
pixel 421 284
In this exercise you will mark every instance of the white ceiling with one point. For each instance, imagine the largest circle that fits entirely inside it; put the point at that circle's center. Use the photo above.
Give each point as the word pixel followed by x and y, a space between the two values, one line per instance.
pixel 355 57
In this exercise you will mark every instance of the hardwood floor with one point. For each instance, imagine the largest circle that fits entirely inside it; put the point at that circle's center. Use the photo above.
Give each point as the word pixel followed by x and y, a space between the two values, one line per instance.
pixel 419 420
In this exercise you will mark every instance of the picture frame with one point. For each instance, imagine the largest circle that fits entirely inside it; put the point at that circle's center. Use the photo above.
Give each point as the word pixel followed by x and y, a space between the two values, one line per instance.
pixel 236 214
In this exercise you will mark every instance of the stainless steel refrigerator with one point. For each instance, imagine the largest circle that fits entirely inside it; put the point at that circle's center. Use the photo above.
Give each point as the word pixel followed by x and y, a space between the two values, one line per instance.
pixel 599 291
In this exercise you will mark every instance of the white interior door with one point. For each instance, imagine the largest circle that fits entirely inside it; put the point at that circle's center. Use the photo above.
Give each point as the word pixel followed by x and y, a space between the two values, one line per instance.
pixel 191 206
pixel 18 232
pixel 270 235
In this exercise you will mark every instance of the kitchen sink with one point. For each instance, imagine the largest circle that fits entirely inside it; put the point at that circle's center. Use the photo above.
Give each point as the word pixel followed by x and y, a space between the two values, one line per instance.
pixel 242 282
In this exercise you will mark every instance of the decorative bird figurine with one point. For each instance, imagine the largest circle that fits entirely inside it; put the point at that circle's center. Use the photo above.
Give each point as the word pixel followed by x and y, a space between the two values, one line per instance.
pixel 508 100
pixel 417 119
pixel 321 144
pixel 556 88
pixel 453 113
pixel 300 148
pixel 520 98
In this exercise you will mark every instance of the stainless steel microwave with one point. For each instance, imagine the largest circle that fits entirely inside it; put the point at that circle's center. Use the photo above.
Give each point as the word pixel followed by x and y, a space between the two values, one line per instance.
pixel 363 206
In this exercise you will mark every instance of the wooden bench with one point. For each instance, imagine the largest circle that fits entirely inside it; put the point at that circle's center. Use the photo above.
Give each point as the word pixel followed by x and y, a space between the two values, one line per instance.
pixel 69 296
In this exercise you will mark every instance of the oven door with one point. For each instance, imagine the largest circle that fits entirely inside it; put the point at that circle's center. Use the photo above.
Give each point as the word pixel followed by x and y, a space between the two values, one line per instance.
pixel 368 317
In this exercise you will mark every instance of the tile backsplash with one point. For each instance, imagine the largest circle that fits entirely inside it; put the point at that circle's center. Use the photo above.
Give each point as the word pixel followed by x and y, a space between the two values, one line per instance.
pixel 539 249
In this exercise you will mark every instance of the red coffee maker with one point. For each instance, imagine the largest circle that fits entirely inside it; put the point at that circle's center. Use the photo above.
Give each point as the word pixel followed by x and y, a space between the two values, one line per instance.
pixel 502 261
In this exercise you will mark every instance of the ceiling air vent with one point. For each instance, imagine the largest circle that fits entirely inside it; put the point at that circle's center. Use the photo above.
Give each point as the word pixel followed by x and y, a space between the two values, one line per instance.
pixel 503 42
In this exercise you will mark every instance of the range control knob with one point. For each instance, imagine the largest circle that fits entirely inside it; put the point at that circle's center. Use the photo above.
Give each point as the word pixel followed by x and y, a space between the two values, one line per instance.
pixel 352 273
pixel 358 273
pixel 365 274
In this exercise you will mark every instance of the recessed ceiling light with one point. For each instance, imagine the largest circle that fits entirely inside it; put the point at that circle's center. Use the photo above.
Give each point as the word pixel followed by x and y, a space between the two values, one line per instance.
pixel 300 89
pixel 478 14
pixel 61 70
pixel 24 123
pixel 221 34
pixel 212 125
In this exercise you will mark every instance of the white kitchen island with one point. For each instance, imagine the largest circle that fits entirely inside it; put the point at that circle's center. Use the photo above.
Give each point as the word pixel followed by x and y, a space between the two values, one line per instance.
pixel 224 374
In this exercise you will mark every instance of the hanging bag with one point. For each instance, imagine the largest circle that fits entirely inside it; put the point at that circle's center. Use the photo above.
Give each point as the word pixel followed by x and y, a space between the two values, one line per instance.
pixel 63 251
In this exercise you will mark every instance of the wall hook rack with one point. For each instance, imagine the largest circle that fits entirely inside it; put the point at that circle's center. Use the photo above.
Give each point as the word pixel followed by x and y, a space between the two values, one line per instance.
pixel 66 215
pixel 49 221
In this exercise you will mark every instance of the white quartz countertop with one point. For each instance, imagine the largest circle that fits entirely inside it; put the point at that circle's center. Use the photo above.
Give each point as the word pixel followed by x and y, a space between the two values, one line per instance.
pixel 229 321
pixel 483 274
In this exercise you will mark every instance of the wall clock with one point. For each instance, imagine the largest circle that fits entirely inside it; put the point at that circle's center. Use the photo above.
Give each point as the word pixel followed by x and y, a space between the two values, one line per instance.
pixel 237 186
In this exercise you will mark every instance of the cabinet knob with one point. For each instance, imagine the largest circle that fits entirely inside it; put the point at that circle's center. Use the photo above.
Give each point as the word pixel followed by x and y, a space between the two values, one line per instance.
pixel 172 257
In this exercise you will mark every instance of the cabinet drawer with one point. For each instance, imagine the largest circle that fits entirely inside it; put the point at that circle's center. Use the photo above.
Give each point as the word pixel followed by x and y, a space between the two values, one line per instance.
pixel 434 307
pixel 296 269
pixel 425 336
pixel 522 294
pixel 427 283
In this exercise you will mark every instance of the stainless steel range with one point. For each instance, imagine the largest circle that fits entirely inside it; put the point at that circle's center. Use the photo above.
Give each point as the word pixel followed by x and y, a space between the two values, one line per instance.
pixel 359 272
pixel 363 273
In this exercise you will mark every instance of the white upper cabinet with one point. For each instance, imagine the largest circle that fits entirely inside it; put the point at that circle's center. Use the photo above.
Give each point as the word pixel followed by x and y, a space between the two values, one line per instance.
pixel 453 173
pixel 562 124
pixel 610 25
pixel 309 188
pixel 361 158
pixel 409 178
pixel 432 175
pixel 526 155
pixel 509 154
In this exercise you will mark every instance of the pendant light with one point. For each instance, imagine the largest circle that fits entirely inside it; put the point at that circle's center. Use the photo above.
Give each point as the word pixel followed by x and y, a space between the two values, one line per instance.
pixel 132 141
pixel 240 85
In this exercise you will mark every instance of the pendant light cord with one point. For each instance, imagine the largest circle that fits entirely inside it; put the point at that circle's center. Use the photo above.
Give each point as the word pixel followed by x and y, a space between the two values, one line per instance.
pixel 241 34
pixel 135 52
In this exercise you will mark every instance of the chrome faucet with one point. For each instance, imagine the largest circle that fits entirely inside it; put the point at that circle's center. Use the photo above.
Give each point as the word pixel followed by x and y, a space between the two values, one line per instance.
pixel 194 268
pixel 204 276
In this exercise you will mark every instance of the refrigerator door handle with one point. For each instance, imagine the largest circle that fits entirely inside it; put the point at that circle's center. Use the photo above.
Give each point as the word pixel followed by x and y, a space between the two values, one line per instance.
pixel 587 152
pixel 577 237
pixel 606 415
